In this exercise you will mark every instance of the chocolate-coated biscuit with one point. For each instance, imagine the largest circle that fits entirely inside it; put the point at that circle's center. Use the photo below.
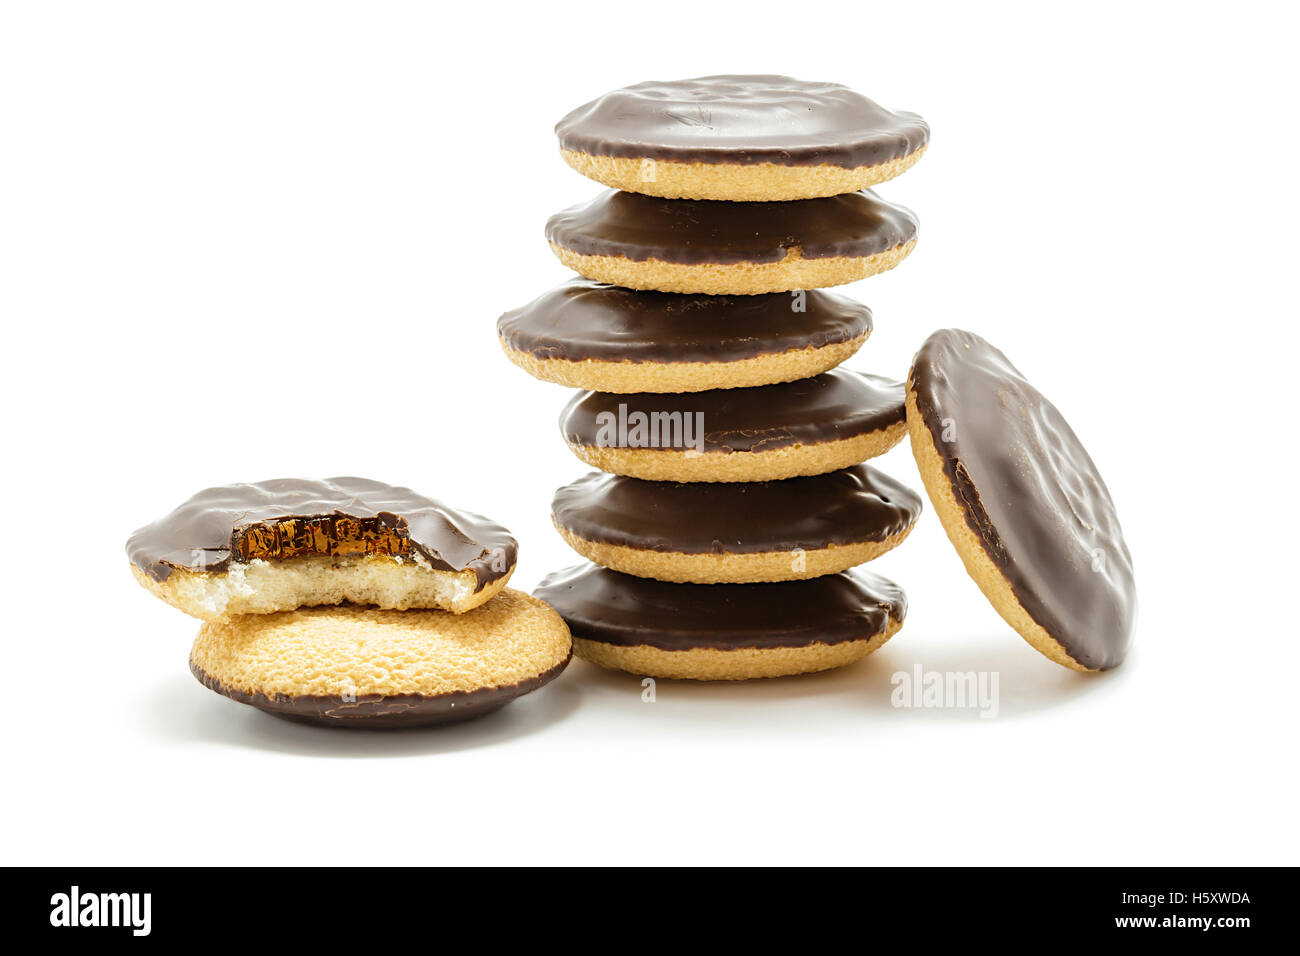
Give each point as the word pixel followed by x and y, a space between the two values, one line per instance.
pixel 591 335
pixel 369 668
pixel 723 631
pixel 807 427
pixel 708 533
pixel 731 248
pixel 739 138
pixel 1022 502
pixel 289 542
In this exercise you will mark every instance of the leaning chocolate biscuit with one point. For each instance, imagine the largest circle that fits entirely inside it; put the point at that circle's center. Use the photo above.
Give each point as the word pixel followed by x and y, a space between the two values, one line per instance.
pixel 590 335
pixel 724 631
pixel 731 248
pixel 350 666
pixel 709 533
pixel 808 427
pixel 1021 501
pixel 286 543
pixel 740 138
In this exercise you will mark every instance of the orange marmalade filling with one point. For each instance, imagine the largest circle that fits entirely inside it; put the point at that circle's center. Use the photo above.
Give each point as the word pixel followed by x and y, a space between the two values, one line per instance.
pixel 327 535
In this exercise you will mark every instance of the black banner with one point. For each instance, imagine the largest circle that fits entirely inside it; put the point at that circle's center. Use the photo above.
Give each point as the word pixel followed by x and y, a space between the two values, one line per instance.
pixel 351 904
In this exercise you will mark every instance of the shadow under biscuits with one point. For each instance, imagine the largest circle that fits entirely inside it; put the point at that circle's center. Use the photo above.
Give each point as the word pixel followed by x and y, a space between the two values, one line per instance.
pixel 731 693
pixel 179 711
pixel 1027 684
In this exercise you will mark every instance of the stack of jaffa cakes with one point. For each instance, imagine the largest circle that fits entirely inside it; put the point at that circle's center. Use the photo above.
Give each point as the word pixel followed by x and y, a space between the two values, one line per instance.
pixel 348 602
pixel 732 500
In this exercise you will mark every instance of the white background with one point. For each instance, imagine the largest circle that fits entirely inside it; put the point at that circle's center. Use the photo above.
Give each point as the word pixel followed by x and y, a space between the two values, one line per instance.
pixel 250 240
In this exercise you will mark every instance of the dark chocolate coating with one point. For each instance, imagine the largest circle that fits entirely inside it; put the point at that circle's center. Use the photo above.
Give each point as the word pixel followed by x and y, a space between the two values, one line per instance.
pixel 850 506
pixel 743 120
pixel 377 712
pixel 583 320
pixel 612 608
pixel 828 407
pixel 698 231
pixel 296 516
pixel 1031 493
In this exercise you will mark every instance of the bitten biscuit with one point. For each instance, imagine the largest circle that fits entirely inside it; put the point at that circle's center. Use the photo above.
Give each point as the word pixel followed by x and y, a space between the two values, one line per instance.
pixel 739 138
pixel 1022 502
pixel 287 543
pixel 731 248
pixel 365 667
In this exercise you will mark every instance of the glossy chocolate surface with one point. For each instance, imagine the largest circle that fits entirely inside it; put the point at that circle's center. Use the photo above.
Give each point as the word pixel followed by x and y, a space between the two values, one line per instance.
pixel 603 605
pixel 849 506
pixel 378 712
pixel 1031 493
pixel 700 231
pixel 743 120
pixel 829 407
pixel 287 518
pixel 583 320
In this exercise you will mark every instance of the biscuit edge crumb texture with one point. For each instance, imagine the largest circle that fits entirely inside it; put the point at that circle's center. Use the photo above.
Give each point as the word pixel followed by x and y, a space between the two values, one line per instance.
pixel 979 566
pixel 730 568
pixel 623 377
pixel 789 461
pixel 745 278
pixel 747 663
pixel 735 182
